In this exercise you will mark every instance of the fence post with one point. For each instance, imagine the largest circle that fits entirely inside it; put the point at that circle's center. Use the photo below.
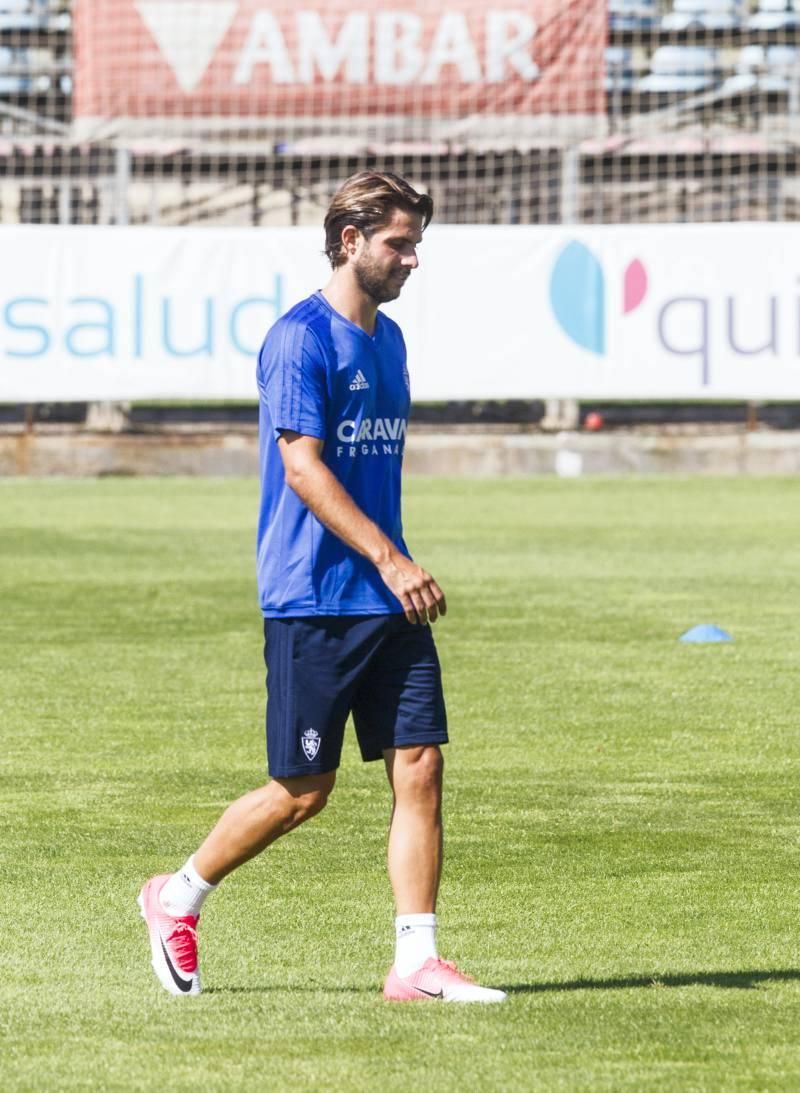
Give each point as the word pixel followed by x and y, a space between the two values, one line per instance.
pixel 122 182
pixel 564 413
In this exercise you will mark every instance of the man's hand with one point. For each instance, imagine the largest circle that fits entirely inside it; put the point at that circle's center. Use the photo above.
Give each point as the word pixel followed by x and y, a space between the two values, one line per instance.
pixel 422 599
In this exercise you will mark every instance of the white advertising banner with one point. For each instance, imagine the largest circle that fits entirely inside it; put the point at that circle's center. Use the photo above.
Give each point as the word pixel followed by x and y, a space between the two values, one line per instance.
pixel 646 312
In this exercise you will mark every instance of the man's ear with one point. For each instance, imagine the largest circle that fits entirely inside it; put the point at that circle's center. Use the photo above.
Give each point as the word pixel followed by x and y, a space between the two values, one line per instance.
pixel 350 239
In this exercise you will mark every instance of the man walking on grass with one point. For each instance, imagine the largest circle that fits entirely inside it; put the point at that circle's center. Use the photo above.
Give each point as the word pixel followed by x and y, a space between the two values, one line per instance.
pixel 346 610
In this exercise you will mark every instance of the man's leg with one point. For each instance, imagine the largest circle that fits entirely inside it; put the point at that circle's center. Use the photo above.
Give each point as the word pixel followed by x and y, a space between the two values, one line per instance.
pixel 415 834
pixel 250 824
pixel 415 865
pixel 170 904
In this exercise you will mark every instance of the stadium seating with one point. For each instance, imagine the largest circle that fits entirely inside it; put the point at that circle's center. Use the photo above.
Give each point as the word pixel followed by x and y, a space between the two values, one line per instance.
pixel 632 15
pixel 705 14
pixel 22 14
pixel 620 73
pixel 676 69
pixel 775 15
pixel 689 65
pixel 769 69
pixel 34 72
pixel 20 73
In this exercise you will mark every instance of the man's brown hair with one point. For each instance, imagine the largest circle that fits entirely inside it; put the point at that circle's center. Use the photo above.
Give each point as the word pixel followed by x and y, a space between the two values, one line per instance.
pixel 367 200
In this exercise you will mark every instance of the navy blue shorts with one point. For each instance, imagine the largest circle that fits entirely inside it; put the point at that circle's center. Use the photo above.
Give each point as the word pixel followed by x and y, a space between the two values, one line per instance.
pixel 381 668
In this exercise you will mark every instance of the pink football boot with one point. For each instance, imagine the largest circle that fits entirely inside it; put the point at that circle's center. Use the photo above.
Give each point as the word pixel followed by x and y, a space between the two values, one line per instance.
pixel 173 941
pixel 437 980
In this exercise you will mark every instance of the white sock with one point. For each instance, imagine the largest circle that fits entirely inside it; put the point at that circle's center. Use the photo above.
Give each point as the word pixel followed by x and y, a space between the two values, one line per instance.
pixel 416 941
pixel 185 891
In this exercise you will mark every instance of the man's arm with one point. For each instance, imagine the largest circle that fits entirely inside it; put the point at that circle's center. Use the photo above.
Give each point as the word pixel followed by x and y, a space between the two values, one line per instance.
pixel 319 489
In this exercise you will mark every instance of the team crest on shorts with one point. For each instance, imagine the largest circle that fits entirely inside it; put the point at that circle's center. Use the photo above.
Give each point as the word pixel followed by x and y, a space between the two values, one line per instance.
pixel 310 741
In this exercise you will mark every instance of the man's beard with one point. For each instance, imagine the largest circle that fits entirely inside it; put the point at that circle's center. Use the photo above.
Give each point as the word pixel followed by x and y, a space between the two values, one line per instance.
pixel 380 287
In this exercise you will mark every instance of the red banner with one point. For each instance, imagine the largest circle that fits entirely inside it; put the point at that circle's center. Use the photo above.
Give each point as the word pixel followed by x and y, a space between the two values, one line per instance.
pixel 252 58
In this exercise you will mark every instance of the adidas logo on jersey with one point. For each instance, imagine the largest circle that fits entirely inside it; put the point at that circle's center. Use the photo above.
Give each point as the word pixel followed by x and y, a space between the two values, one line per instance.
pixel 359 382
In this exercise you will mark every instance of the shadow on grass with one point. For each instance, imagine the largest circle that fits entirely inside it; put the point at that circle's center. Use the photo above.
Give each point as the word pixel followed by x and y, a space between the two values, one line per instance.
pixel 743 981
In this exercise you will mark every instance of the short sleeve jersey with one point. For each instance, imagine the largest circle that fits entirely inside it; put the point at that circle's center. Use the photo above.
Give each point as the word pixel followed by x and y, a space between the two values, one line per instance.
pixel 323 376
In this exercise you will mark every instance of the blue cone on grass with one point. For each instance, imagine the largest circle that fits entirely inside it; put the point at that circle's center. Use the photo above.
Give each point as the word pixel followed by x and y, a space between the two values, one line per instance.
pixel 706 632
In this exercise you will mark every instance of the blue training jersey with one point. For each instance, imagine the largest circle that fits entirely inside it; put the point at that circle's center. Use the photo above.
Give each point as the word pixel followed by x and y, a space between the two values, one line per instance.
pixel 323 376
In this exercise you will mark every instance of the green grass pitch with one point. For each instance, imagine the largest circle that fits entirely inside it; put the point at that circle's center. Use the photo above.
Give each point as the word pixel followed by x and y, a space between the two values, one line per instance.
pixel 623 810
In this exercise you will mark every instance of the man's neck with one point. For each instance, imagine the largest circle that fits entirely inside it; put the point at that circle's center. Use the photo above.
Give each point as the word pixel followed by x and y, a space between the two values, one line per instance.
pixel 344 295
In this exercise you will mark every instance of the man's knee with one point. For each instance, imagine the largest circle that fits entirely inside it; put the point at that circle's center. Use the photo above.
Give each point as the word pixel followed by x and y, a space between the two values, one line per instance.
pixel 431 766
pixel 420 771
pixel 307 796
